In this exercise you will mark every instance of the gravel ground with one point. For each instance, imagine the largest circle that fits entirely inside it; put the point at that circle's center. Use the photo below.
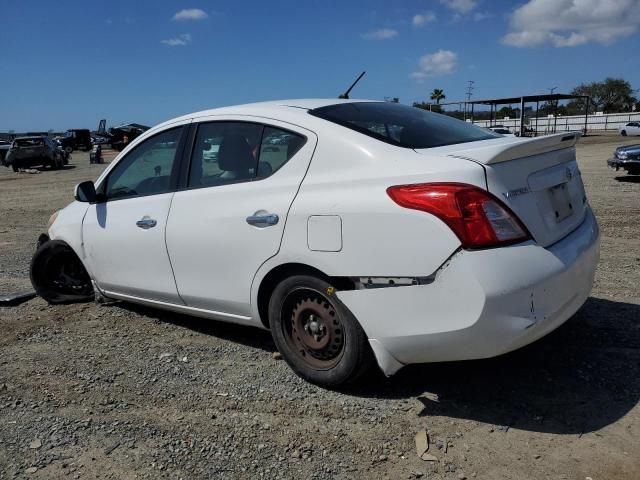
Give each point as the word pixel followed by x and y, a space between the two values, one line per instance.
pixel 120 391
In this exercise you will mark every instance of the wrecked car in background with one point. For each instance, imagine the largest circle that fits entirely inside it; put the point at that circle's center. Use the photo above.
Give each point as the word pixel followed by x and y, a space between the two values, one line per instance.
pixel 26 152
pixel 627 158
pixel 4 149
pixel 410 236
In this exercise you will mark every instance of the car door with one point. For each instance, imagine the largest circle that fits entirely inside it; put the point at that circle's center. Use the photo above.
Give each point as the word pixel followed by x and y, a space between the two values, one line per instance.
pixel 124 233
pixel 634 128
pixel 230 219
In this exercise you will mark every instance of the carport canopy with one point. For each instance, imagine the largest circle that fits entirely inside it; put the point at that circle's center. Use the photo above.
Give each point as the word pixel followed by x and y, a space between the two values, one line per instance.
pixel 522 100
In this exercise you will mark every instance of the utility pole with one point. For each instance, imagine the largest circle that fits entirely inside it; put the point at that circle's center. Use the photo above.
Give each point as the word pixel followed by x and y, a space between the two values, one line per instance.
pixel 469 94
pixel 555 108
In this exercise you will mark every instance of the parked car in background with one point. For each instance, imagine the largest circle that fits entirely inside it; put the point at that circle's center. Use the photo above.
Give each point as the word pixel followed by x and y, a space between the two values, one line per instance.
pixel 27 152
pixel 76 139
pixel 627 158
pixel 505 132
pixel 631 128
pixel 4 149
pixel 377 233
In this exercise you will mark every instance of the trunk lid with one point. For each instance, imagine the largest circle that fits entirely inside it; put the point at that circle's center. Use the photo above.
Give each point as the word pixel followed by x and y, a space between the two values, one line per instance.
pixel 537 178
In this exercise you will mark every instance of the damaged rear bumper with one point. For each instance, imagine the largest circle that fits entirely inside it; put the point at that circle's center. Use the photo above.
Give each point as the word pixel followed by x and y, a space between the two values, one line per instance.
pixel 482 304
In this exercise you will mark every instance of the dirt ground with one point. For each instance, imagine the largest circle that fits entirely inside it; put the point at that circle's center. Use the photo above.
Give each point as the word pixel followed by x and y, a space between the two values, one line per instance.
pixel 121 392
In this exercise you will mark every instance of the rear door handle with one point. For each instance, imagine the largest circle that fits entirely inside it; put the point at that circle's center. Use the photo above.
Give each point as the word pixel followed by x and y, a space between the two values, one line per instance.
pixel 263 220
pixel 146 223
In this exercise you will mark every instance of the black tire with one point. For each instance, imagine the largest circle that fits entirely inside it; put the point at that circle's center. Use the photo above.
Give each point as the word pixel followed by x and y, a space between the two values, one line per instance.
pixel 68 149
pixel 338 353
pixel 58 276
pixel 15 166
pixel 623 133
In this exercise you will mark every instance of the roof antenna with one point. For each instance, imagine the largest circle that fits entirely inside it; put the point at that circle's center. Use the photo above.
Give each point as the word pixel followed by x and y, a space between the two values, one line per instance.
pixel 345 95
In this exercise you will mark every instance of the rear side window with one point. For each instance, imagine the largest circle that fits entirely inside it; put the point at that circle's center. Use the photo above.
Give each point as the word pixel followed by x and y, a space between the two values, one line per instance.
pixel 233 152
pixel 276 149
pixel 400 125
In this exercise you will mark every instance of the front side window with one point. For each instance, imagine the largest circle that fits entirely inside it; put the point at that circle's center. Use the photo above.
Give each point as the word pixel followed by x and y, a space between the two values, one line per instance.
pixel 147 169
pixel 400 125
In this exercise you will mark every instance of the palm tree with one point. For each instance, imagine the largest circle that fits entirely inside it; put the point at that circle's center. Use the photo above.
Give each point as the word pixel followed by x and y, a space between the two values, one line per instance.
pixel 438 95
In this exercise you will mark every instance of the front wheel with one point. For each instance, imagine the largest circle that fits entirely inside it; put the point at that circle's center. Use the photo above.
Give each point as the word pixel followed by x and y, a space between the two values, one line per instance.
pixel 316 334
pixel 58 276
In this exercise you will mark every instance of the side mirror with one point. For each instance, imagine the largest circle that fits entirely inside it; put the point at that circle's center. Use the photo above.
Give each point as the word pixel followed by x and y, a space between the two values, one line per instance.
pixel 85 192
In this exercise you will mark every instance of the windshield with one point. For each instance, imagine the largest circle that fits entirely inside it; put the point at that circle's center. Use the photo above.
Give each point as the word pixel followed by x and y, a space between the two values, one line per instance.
pixel 402 125
pixel 29 142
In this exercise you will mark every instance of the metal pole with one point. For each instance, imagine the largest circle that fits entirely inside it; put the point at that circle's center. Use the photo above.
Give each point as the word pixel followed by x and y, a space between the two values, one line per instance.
pixel 537 106
pixel 555 115
pixel 586 114
pixel 472 113
pixel 521 116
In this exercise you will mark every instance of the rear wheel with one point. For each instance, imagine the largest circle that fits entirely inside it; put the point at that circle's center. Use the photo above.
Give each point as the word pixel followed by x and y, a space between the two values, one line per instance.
pixel 623 133
pixel 15 166
pixel 58 276
pixel 316 334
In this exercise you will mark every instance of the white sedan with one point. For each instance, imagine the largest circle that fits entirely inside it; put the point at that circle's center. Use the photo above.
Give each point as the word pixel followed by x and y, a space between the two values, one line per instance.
pixel 377 233
pixel 631 128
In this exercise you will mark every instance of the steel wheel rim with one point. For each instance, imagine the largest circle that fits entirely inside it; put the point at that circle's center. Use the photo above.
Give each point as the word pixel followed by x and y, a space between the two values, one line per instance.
pixel 313 329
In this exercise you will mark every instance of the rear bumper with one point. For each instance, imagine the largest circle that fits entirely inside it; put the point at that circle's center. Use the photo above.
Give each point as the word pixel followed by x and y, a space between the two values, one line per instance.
pixel 482 304
pixel 618 163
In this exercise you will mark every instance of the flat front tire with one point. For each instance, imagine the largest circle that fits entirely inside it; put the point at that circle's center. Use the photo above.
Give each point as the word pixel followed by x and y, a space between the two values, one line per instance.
pixel 316 334
pixel 58 276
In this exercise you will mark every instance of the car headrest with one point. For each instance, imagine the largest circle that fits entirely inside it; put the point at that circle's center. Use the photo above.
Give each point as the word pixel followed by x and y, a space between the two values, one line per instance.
pixel 235 154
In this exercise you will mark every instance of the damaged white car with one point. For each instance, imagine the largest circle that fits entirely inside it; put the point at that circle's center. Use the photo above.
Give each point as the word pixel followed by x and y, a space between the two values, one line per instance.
pixel 358 232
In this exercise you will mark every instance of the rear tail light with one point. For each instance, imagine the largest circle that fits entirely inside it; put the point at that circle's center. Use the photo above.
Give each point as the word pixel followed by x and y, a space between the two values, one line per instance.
pixel 478 218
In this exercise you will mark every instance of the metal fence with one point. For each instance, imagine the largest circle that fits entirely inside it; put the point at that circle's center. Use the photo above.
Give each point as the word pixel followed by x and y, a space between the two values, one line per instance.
pixel 595 123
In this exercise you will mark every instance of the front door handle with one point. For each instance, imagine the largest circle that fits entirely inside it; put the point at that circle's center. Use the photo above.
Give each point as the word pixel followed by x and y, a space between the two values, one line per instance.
pixel 146 223
pixel 263 220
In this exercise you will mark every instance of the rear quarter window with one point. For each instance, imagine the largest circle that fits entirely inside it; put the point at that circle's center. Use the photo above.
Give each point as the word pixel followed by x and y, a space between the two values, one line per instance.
pixel 400 125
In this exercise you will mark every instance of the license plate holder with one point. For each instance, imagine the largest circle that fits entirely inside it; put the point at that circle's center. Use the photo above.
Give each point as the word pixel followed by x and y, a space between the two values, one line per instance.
pixel 561 202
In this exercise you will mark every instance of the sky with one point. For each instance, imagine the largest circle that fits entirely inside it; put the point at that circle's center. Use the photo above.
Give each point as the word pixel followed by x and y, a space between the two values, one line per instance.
pixel 69 63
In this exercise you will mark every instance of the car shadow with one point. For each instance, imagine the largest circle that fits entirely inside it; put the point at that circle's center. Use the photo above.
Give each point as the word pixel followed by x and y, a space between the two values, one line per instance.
pixel 629 179
pixel 249 336
pixel 578 379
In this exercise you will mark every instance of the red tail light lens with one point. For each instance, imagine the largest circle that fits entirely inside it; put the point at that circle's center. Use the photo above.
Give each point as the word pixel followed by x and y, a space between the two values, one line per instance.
pixel 478 218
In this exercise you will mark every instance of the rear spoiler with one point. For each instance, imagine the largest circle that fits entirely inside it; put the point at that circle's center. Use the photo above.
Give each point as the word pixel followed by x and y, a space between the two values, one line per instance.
pixel 523 147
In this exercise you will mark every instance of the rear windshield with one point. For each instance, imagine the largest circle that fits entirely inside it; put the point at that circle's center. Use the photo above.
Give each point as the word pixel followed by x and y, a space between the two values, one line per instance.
pixel 401 125
pixel 28 142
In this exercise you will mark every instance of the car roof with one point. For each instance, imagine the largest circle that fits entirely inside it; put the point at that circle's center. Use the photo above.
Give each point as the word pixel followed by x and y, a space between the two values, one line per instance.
pixel 280 108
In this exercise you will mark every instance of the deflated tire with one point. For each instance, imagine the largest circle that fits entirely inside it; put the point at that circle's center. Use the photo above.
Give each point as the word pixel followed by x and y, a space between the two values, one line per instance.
pixel 58 275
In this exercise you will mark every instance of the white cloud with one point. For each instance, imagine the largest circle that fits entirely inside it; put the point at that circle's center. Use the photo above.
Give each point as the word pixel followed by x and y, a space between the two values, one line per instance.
pixel 381 34
pixel 568 23
pixel 442 62
pixel 461 6
pixel 179 41
pixel 190 14
pixel 480 16
pixel 421 19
